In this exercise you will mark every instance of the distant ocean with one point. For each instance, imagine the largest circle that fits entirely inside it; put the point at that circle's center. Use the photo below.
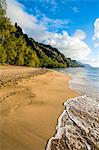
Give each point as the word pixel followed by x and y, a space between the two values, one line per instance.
pixel 84 79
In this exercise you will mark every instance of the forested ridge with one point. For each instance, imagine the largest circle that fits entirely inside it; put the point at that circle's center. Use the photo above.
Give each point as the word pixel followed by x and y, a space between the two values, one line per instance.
pixel 16 48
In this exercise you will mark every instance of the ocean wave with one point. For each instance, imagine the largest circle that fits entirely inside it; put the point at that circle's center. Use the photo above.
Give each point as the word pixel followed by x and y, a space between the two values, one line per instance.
pixel 78 125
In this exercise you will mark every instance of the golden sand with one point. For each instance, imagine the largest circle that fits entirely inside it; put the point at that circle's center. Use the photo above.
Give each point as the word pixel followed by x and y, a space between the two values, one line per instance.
pixel 30 106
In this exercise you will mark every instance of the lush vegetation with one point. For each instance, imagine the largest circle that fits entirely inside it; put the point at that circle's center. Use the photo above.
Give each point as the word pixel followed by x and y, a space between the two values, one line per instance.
pixel 18 49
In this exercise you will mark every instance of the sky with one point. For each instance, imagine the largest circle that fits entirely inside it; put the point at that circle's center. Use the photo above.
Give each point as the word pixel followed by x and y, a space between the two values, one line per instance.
pixel 72 26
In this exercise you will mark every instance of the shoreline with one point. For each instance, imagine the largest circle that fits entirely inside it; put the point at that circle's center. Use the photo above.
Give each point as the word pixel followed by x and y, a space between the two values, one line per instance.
pixel 31 107
pixel 76 125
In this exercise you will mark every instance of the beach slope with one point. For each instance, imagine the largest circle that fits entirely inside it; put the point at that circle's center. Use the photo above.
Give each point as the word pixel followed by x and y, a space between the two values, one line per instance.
pixel 31 101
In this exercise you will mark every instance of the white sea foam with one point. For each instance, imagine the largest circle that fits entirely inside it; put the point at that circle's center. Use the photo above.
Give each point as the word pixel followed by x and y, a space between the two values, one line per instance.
pixel 79 120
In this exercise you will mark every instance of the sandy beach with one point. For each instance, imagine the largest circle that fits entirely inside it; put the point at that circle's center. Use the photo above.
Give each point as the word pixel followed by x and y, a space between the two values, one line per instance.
pixel 31 101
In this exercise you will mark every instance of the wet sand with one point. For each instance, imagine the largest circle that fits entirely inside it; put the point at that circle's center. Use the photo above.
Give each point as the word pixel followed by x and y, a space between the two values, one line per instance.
pixel 31 101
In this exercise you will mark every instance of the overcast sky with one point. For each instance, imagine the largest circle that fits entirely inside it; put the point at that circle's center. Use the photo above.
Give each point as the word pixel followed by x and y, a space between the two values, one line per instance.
pixel 72 26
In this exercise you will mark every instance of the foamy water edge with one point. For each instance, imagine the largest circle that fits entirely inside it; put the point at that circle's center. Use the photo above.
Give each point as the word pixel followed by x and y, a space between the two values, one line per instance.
pixel 62 127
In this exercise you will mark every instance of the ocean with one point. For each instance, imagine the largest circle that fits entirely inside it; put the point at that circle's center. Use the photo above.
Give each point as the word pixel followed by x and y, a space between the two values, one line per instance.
pixel 84 79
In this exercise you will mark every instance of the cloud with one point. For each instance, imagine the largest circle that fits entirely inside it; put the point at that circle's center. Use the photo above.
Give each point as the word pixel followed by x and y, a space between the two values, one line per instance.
pixel 72 46
pixel 27 22
pixel 94 62
pixel 96 32
pixel 54 24
pixel 33 26
pixel 80 34
pixel 75 9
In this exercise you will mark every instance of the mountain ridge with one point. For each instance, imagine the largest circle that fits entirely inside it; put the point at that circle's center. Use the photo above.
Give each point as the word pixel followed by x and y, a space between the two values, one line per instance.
pixel 16 48
pixel 48 51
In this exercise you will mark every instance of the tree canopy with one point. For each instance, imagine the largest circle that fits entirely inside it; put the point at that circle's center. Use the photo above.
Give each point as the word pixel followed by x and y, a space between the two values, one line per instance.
pixel 18 49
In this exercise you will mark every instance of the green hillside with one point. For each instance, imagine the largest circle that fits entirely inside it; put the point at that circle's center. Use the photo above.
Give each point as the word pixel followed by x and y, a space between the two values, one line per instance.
pixel 17 48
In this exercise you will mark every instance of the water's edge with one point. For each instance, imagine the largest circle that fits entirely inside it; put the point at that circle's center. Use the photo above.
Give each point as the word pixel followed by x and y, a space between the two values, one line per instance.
pixel 84 80
pixel 78 125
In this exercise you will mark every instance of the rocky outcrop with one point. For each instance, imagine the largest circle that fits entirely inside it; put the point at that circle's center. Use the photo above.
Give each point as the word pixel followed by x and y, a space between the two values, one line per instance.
pixel 78 126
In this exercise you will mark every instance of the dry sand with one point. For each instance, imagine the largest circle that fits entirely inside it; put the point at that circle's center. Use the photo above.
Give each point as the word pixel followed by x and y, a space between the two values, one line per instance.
pixel 30 102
